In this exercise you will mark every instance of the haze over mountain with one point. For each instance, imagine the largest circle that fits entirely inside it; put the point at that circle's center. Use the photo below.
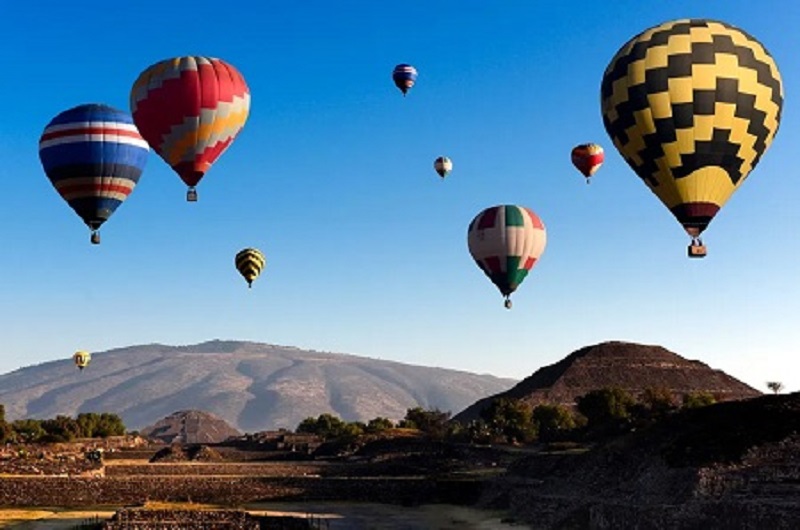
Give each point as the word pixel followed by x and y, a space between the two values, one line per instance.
pixel 251 386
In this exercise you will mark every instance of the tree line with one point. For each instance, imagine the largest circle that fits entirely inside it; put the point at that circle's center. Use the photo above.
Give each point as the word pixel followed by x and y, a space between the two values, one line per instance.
pixel 61 428
pixel 598 413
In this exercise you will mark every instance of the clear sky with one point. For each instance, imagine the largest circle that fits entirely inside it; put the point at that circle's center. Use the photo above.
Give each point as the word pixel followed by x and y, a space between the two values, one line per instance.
pixel 332 179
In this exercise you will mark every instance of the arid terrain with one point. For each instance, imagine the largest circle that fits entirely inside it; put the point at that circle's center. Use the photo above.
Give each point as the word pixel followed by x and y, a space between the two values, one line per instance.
pixel 393 493
pixel 633 457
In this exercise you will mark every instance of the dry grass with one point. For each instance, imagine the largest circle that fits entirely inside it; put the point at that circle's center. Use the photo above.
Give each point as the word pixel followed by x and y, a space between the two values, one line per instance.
pixel 23 515
pixel 125 462
pixel 50 519
pixel 196 506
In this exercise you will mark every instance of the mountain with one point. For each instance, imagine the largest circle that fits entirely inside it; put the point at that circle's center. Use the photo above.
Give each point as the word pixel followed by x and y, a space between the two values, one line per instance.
pixel 633 367
pixel 191 427
pixel 250 385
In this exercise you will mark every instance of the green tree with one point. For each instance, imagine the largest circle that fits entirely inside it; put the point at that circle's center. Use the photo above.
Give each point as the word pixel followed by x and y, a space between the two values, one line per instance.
pixel 511 419
pixel 775 386
pixel 109 424
pixel 551 421
pixel 658 400
pixel 432 422
pixel 308 426
pixel 28 430
pixel 379 424
pixel 326 426
pixel 351 430
pixel 87 423
pixel 61 429
pixel 456 432
pixel 605 405
pixel 479 432
pixel 6 432
pixel 698 399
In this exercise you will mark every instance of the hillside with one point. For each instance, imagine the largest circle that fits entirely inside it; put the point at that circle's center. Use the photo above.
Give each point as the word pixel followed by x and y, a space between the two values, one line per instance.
pixel 633 367
pixel 251 386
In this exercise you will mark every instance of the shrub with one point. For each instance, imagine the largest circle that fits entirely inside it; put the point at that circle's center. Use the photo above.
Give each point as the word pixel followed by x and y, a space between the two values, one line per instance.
pixel 511 419
pixel 698 399
pixel 605 405
pixel 551 421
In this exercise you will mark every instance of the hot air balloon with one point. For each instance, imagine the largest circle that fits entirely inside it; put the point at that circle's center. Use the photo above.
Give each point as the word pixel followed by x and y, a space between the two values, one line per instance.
pixel 587 158
pixel 443 166
pixel 82 359
pixel 190 109
pixel 404 76
pixel 250 262
pixel 506 242
pixel 692 105
pixel 94 156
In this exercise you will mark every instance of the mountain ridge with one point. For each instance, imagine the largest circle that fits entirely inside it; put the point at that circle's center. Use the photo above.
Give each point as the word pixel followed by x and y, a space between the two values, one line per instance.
pixel 253 386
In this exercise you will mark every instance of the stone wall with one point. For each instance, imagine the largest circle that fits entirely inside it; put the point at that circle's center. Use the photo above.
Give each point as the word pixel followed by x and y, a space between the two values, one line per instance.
pixel 251 470
pixel 80 491
pixel 137 519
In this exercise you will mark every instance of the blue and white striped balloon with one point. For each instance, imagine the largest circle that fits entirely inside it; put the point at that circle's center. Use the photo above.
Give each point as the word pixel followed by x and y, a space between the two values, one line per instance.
pixel 93 155
pixel 404 77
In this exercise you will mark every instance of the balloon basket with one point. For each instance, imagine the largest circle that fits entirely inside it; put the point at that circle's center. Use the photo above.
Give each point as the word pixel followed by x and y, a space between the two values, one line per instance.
pixel 696 250
pixel 191 195
pixel 95 239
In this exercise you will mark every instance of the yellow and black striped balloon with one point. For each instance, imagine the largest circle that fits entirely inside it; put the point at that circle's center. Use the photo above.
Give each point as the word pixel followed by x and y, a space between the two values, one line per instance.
pixel 250 262
pixel 692 105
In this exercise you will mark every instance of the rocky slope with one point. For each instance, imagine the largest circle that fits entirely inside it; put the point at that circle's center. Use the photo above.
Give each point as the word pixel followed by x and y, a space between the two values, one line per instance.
pixel 252 386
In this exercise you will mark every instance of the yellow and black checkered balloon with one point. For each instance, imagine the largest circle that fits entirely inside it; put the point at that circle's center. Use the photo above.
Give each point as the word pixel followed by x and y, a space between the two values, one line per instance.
pixel 692 105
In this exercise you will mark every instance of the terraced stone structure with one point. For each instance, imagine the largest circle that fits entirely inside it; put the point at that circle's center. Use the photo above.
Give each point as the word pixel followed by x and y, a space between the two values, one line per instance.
pixel 191 427
pixel 630 366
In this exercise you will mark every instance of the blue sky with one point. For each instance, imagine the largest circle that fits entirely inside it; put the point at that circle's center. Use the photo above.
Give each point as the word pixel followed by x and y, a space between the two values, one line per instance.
pixel 332 179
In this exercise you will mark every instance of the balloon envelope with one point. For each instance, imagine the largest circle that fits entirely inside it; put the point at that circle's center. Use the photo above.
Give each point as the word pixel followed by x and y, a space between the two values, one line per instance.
pixel 587 158
pixel 93 155
pixel 692 105
pixel 190 109
pixel 82 359
pixel 250 262
pixel 506 242
pixel 404 77
pixel 443 166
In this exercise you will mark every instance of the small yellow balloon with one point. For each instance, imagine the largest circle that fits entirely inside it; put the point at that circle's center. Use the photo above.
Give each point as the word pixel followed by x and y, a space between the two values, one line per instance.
pixel 82 359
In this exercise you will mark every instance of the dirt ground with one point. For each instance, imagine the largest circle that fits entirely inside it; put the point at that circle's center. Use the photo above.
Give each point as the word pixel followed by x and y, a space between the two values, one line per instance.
pixel 50 519
pixel 337 515
pixel 368 516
